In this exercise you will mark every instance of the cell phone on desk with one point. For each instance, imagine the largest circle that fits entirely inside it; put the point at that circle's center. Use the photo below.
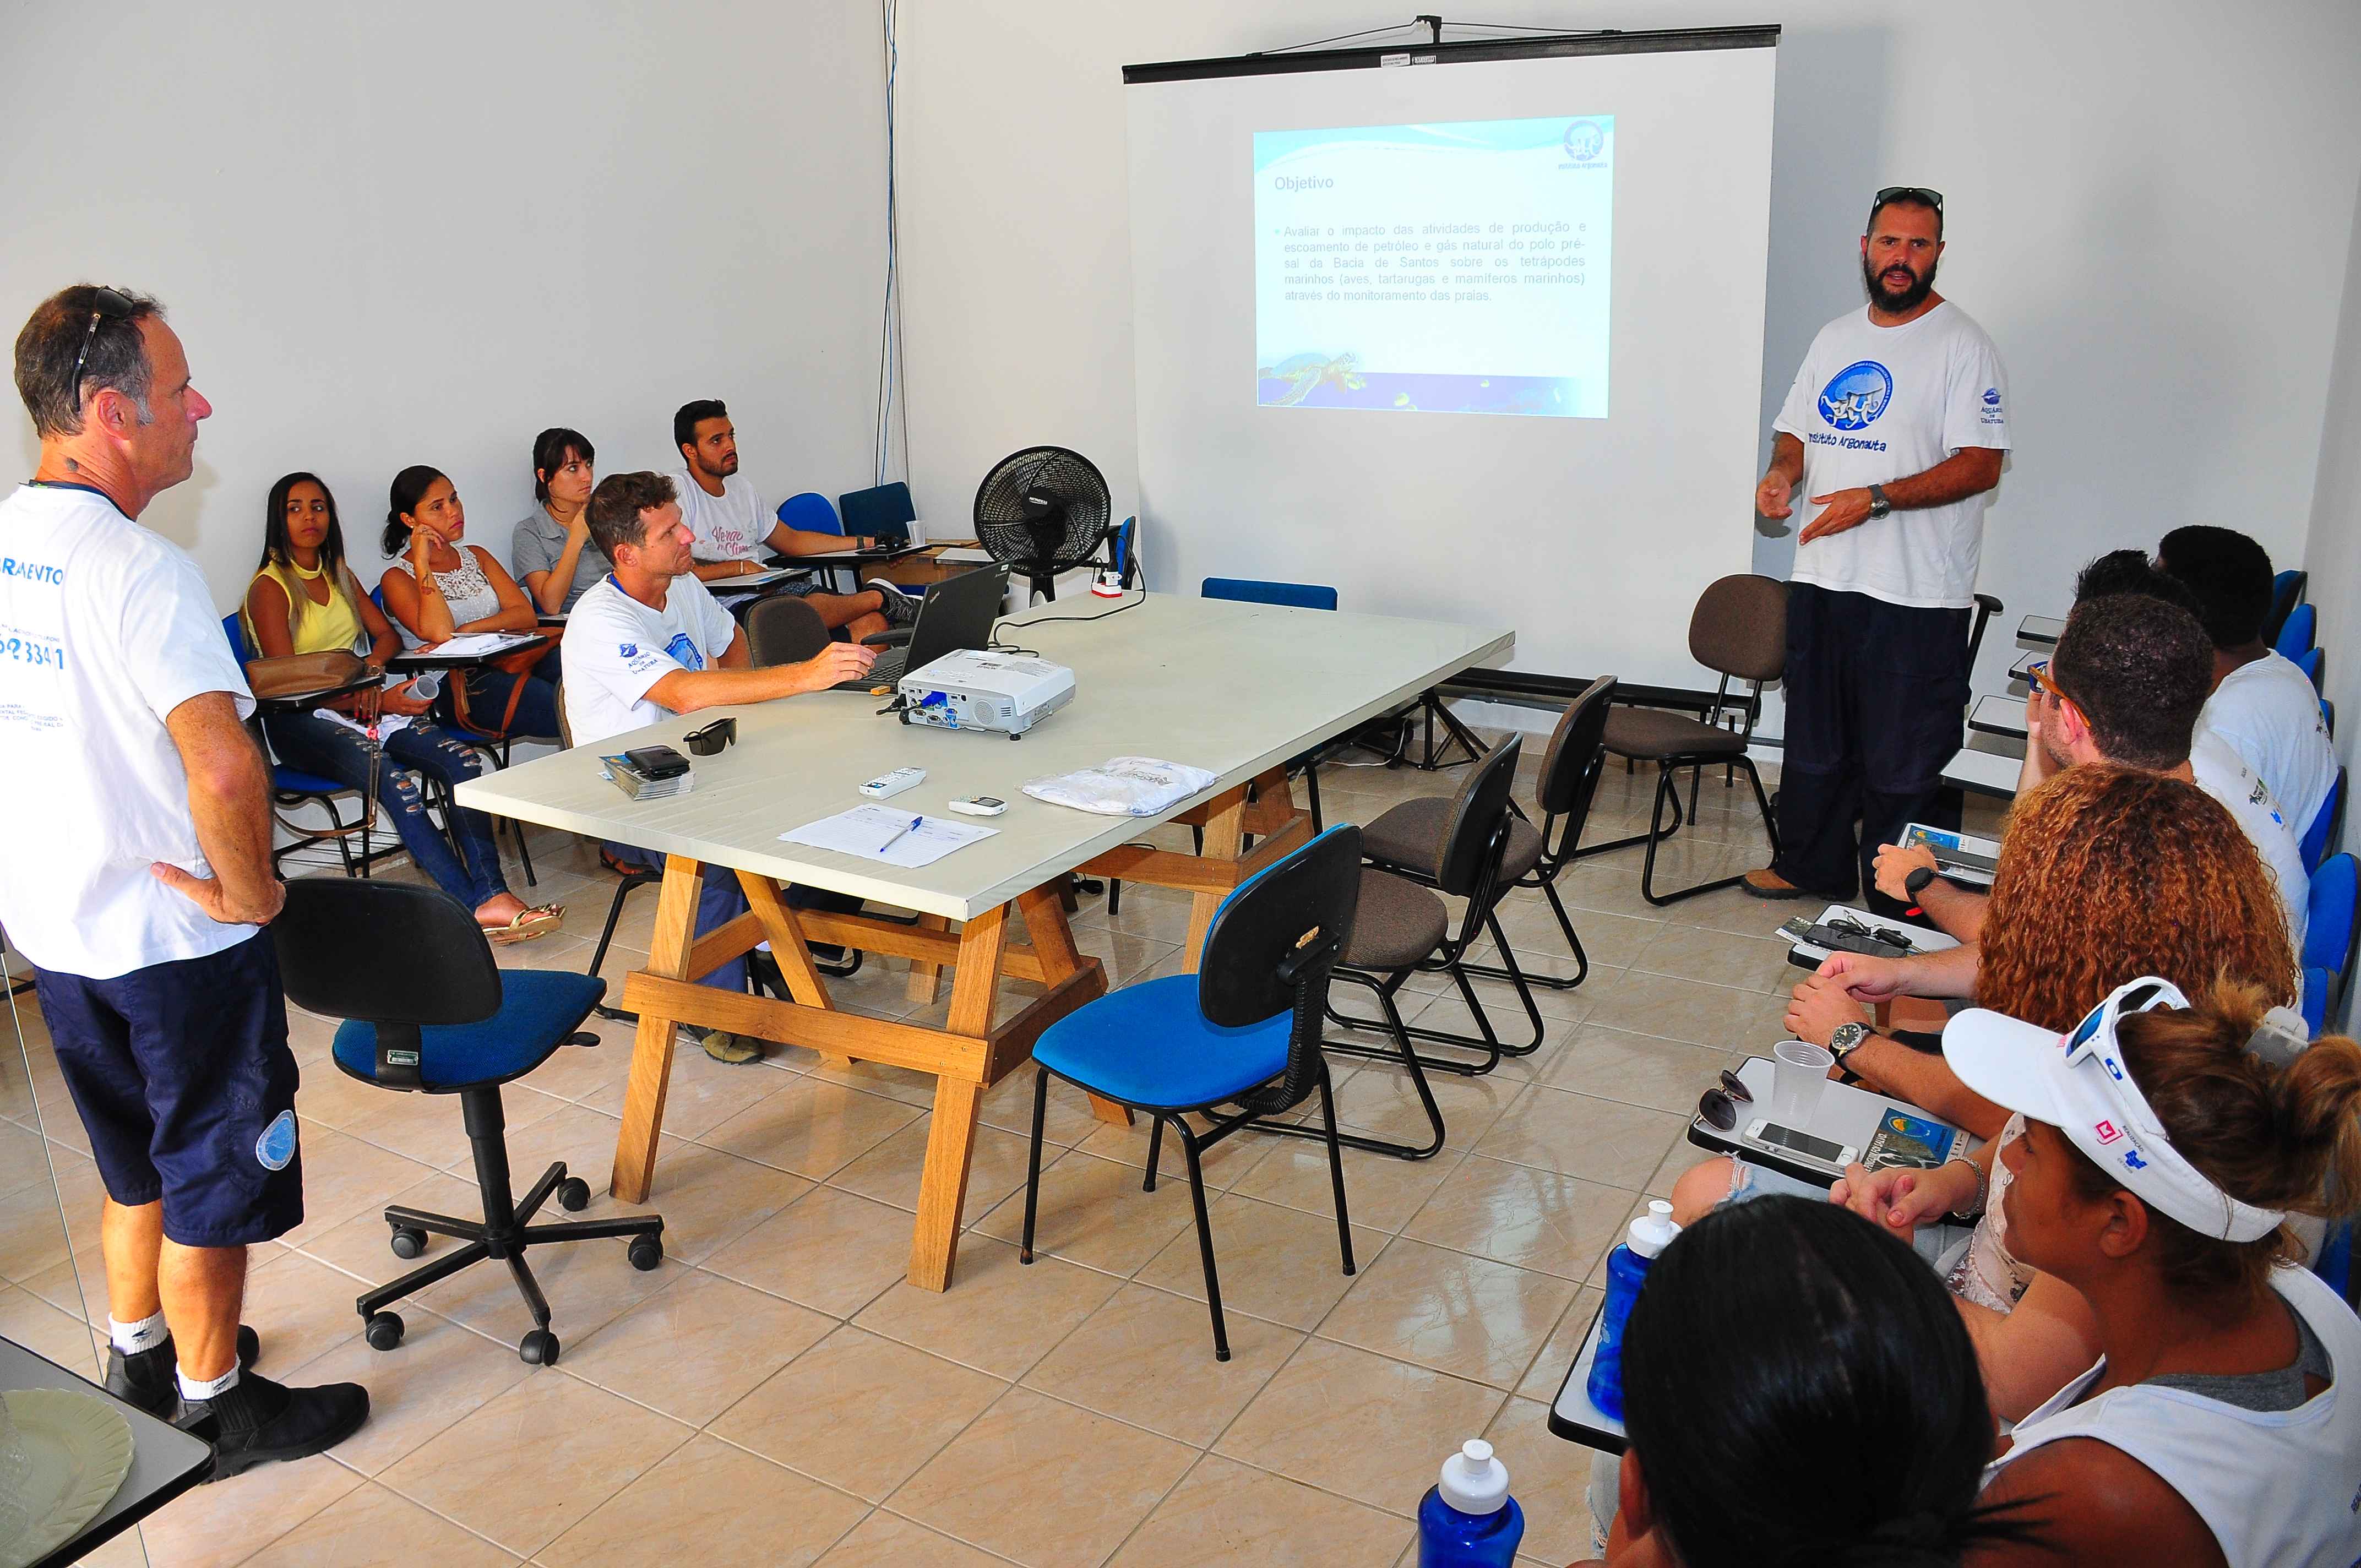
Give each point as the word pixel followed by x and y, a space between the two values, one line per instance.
pixel 1821 1153
pixel 656 762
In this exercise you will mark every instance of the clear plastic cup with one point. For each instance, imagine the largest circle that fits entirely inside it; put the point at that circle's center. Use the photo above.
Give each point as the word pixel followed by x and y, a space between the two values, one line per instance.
pixel 1798 1073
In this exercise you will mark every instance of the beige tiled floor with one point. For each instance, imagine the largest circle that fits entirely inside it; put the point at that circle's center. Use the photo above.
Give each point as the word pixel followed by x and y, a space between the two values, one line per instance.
pixel 776 1393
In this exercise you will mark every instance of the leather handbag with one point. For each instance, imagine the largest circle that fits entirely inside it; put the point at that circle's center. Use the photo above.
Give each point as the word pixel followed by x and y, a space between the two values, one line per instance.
pixel 300 675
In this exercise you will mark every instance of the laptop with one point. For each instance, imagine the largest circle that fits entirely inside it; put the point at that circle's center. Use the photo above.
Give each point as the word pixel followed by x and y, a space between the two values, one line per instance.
pixel 958 613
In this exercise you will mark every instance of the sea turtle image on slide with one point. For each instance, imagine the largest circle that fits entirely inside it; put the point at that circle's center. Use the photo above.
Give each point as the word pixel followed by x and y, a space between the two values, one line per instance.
pixel 1306 372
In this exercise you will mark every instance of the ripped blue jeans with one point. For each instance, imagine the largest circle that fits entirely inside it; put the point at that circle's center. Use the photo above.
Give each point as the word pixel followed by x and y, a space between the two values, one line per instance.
pixel 316 745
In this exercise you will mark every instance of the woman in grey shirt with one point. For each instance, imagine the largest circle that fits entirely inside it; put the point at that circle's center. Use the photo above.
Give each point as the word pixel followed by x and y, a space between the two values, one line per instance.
pixel 551 549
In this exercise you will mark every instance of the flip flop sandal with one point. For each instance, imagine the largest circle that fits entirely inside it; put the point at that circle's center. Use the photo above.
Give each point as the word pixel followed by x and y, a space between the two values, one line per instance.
pixel 539 920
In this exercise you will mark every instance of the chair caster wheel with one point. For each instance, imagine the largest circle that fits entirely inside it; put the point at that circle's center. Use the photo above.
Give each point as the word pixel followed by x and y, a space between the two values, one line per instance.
pixel 538 1348
pixel 384 1330
pixel 646 1252
pixel 574 1195
pixel 408 1242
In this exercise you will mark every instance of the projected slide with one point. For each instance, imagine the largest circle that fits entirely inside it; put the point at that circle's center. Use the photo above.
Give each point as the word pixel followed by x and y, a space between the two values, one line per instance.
pixel 1452 268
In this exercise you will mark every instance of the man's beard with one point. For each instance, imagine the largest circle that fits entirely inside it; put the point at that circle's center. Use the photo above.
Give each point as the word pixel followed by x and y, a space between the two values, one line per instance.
pixel 1891 305
pixel 721 469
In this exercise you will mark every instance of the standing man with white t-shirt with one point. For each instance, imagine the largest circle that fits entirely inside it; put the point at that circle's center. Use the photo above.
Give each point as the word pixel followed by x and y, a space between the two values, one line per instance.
pixel 1893 432
pixel 139 878
pixel 2263 706
pixel 647 641
pixel 733 525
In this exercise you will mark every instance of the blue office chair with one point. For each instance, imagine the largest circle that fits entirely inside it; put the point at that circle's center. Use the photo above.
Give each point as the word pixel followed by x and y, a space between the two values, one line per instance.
pixel 1297 596
pixel 1121 547
pixel 882 512
pixel 293 786
pixel 2328 717
pixel 810 513
pixel 2296 638
pixel 2335 1263
pixel 2329 928
pixel 2316 987
pixel 2312 661
pixel 2286 591
pixel 1243 1032
pixel 2327 827
pixel 444 1019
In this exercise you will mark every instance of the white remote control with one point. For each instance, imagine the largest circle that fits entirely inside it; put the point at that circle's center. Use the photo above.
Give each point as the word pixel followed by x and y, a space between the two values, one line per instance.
pixel 884 786
pixel 978 805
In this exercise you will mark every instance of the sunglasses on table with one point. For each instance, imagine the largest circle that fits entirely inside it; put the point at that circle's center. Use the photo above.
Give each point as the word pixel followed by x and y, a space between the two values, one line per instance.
pixel 1719 1106
pixel 106 305
pixel 1853 927
pixel 714 738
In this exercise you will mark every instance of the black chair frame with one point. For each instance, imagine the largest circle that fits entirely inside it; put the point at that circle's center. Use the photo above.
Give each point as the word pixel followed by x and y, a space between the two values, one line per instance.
pixel 1303 976
pixel 1667 792
pixel 1469 867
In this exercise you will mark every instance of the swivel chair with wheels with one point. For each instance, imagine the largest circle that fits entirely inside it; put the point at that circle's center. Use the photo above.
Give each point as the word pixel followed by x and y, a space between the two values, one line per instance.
pixel 447 1021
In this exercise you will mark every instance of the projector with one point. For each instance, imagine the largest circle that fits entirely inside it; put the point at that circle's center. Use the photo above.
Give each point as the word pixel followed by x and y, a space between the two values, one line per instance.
pixel 974 689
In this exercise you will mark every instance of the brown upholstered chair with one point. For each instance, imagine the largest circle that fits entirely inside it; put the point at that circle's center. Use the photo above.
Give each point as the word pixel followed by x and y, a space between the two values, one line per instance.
pixel 1405 839
pixel 1401 928
pixel 1740 631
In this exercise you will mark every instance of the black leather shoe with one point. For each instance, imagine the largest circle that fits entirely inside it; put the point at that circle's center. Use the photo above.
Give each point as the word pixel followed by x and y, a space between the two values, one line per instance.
pixel 256 1422
pixel 151 1378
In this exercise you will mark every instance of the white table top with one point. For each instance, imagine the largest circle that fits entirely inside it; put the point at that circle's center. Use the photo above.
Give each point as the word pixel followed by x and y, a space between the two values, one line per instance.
pixel 1232 687
pixel 2039 631
pixel 1988 764
pixel 1999 716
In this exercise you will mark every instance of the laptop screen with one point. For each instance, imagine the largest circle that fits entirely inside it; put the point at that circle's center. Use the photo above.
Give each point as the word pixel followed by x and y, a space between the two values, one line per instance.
pixel 958 615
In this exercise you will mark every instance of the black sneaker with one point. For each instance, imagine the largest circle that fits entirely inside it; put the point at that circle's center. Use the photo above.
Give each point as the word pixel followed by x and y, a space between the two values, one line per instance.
pixel 151 1381
pixel 257 1422
pixel 900 604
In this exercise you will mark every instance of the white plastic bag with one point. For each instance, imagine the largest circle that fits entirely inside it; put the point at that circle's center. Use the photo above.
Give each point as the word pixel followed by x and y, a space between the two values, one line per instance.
pixel 1121 786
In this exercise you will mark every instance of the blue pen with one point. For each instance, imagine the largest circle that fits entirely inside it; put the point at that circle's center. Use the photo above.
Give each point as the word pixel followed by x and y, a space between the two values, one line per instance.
pixel 897 838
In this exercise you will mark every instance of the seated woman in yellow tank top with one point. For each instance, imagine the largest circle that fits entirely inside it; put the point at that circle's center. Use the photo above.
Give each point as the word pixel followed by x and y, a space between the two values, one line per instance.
pixel 303 600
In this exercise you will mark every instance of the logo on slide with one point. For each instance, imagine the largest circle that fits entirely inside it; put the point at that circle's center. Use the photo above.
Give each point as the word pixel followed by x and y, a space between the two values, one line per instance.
pixel 1584 140
pixel 1856 395
pixel 276 1146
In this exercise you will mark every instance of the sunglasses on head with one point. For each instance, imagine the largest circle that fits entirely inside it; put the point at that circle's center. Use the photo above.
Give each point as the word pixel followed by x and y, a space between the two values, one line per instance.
pixel 1719 1106
pixel 1911 193
pixel 106 305
pixel 710 741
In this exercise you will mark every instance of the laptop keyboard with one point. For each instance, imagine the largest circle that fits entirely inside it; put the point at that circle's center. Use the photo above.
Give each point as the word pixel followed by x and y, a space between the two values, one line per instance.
pixel 884 672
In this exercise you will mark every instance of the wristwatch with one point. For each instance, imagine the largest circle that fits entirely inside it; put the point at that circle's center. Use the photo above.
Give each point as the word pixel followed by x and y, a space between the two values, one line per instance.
pixel 1846 1039
pixel 1878 505
pixel 1916 883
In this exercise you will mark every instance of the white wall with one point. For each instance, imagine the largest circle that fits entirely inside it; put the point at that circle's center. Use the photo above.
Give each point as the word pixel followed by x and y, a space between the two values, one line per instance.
pixel 2333 557
pixel 2151 207
pixel 421 233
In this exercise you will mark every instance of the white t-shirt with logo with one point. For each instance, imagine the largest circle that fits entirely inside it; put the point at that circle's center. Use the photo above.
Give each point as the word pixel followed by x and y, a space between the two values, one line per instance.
pixel 1873 405
pixel 731 526
pixel 104 630
pixel 2269 713
pixel 616 648
pixel 2221 774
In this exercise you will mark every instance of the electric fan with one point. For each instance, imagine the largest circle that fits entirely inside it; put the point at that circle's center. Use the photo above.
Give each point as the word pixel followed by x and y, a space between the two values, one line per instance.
pixel 1042 511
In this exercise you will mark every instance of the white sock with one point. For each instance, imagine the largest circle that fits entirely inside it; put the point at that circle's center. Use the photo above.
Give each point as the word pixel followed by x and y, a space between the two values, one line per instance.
pixel 133 1338
pixel 195 1388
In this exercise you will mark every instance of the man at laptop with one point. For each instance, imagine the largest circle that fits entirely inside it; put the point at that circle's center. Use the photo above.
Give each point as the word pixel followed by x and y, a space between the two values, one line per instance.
pixel 648 641
pixel 730 525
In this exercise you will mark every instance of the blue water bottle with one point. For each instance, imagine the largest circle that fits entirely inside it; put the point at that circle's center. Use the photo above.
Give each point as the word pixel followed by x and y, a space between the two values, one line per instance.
pixel 1627 1266
pixel 1468 1519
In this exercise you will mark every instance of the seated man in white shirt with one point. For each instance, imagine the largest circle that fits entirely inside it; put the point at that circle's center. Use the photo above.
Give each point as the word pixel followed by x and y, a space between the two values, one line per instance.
pixel 646 642
pixel 733 525
pixel 2124 686
pixel 2263 706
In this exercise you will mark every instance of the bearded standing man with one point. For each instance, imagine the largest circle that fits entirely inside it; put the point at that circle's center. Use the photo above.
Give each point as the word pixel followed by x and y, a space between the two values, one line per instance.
pixel 139 878
pixel 1893 432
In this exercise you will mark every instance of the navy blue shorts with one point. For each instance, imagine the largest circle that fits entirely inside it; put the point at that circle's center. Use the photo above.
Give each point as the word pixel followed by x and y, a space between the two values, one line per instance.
pixel 186 1086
